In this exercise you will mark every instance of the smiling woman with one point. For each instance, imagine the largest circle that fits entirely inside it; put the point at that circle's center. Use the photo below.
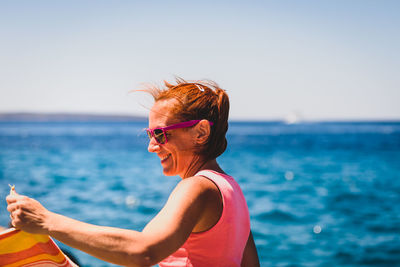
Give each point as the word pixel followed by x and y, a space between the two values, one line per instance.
pixel 205 221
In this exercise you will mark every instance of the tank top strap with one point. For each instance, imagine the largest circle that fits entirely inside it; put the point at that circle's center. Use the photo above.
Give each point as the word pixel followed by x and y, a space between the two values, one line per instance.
pixel 213 175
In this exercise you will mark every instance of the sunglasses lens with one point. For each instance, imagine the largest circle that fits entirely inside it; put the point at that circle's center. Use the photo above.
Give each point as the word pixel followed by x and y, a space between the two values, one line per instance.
pixel 159 136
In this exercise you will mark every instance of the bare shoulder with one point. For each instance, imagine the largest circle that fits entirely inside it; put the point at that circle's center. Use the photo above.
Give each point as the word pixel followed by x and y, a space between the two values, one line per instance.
pixel 195 191
pixel 203 195
pixel 197 185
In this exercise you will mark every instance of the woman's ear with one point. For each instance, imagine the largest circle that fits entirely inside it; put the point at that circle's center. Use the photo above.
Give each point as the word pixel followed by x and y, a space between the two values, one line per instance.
pixel 203 131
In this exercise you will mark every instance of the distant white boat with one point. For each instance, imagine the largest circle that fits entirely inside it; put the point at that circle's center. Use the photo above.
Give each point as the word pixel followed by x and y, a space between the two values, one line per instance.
pixel 292 118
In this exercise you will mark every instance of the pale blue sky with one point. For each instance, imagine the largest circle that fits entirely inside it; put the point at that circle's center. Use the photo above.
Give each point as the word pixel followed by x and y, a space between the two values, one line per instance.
pixel 320 59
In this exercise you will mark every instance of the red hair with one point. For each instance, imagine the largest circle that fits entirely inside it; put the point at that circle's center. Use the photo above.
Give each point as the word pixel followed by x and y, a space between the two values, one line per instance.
pixel 197 100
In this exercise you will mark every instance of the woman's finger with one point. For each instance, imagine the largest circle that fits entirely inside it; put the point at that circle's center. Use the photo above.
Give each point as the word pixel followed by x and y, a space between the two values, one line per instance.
pixel 12 207
pixel 14 221
pixel 14 198
pixel 10 199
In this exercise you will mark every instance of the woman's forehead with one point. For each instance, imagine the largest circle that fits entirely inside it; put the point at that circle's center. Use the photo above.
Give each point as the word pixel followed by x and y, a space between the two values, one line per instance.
pixel 160 114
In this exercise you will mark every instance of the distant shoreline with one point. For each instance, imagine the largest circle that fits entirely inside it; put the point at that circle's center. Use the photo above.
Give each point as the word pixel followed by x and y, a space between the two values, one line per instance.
pixel 90 117
pixel 67 117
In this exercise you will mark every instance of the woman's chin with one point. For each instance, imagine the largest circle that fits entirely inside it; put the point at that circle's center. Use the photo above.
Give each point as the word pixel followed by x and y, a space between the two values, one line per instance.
pixel 168 172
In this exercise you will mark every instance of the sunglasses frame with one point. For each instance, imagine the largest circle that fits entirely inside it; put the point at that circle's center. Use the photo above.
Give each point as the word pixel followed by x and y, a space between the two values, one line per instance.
pixel 185 124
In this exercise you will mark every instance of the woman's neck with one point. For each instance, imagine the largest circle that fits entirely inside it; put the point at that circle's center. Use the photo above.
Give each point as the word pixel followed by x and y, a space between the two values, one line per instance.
pixel 199 165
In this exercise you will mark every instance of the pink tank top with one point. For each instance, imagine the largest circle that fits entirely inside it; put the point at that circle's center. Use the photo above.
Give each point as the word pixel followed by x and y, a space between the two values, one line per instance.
pixel 224 243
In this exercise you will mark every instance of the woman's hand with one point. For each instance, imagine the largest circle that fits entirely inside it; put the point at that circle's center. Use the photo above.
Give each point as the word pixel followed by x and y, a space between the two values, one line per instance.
pixel 27 214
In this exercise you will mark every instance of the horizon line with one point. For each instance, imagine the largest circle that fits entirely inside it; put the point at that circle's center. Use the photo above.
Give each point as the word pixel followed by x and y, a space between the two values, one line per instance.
pixel 94 116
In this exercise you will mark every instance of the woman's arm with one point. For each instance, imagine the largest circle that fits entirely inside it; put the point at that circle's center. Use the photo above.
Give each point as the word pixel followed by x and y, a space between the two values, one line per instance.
pixel 110 244
pixel 119 246
pixel 250 256
pixel 160 238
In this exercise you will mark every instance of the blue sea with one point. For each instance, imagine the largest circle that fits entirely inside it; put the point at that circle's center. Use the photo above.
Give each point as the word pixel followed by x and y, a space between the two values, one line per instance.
pixel 319 194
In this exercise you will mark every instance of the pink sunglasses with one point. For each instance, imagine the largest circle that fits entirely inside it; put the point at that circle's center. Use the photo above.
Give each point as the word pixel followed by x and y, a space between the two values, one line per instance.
pixel 160 133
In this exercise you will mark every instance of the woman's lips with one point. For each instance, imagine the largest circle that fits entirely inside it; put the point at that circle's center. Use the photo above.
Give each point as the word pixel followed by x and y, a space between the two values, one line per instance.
pixel 164 158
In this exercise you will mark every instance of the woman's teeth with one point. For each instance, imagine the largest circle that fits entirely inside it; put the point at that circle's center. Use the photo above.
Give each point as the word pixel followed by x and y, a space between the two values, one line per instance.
pixel 165 157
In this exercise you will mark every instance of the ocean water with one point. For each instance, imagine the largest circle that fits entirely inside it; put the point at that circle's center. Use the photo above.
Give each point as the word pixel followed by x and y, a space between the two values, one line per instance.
pixel 319 194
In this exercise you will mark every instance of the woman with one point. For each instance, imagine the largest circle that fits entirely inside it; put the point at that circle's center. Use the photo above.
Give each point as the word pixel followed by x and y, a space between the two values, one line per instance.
pixel 205 221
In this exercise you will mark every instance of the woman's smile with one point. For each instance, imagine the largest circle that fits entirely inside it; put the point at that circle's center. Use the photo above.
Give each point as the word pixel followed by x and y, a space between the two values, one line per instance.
pixel 164 158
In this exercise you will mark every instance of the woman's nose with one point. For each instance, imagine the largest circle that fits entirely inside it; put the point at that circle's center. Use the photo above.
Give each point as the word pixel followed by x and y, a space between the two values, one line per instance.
pixel 153 145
